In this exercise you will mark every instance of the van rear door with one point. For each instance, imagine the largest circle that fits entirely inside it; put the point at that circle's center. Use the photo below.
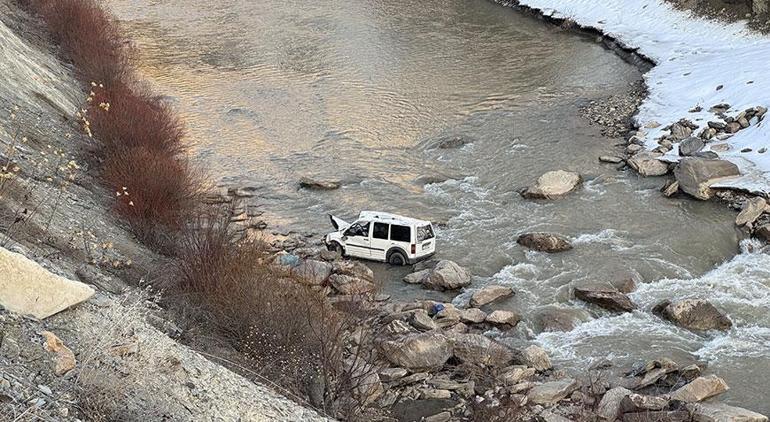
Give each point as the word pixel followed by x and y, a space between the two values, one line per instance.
pixel 426 240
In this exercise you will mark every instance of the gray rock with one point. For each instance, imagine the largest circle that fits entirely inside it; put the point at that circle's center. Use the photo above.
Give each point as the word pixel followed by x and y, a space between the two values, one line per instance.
pixel 559 319
pixel 696 175
pixel 658 416
pixel 544 242
pixel 472 315
pixel 700 389
pixel 353 269
pixel 422 321
pixel 535 357
pixel 479 349
pixel 552 392
pixel 392 374
pixel 670 188
pixel 516 374
pixel 640 403
pixel 425 350
pixel 647 164
pixel 610 406
pixel 690 146
pixel 610 159
pixel 489 294
pixel 553 184
pixel 503 318
pixel 694 314
pixel 348 285
pixel 416 277
pixel 312 271
pixel 753 208
pixel 680 131
pixel 609 299
pixel 720 412
pixel 438 417
pixel 447 275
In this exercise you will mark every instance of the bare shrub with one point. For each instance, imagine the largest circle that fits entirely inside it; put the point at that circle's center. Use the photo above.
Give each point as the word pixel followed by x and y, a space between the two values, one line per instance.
pixel 88 36
pixel 287 331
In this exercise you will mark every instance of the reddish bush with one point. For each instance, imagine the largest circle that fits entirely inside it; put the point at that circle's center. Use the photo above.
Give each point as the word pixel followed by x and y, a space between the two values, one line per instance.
pixel 156 192
pixel 126 117
pixel 88 36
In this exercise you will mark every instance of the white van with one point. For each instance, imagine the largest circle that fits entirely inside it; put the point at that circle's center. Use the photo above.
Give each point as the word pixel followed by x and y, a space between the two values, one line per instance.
pixel 381 236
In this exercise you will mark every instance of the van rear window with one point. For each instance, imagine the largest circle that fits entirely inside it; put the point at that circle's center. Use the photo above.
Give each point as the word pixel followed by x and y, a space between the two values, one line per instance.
pixel 400 233
pixel 425 233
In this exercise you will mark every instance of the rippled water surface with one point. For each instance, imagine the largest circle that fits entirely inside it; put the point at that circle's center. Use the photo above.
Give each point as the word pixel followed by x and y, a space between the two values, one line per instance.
pixel 362 91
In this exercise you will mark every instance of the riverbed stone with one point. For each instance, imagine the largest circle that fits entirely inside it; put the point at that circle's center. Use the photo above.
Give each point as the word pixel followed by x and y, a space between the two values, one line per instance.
pixel 489 294
pixel 551 319
pixel 607 298
pixel 700 389
pixel 720 412
pixel 646 163
pixel 535 357
pixel 694 314
pixel 697 175
pixel 312 271
pixel 610 159
pixel 752 209
pixel 503 318
pixel 544 242
pixel 416 277
pixel 347 285
pixel 424 350
pixel 553 184
pixel 479 349
pixel 447 275
pixel 392 374
pixel 422 321
pixel 634 402
pixel 313 184
pixel 472 315
pixel 354 269
pixel 658 416
pixel 552 392
pixel 610 406
pixel 690 146
pixel 515 374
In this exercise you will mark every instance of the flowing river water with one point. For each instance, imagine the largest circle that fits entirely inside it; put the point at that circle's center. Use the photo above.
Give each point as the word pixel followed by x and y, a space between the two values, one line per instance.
pixel 362 91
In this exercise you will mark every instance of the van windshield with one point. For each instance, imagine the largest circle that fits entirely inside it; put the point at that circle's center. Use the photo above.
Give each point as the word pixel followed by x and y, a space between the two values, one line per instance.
pixel 425 233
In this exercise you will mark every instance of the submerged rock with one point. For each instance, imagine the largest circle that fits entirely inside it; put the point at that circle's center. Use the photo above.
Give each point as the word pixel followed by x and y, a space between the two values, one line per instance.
pixel 489 294
pixel 697 175
pixel 694 314
pixel 607 298
pixel 559 319
pixel 544 242
pixel 308 183
pixel 553 184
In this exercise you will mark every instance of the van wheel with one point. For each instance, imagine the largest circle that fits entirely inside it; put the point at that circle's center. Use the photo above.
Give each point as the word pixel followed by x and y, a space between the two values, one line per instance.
pixel 397 258
pixel 335 247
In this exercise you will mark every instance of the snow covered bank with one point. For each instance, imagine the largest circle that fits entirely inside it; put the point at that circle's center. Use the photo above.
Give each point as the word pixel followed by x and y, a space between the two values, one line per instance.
pixel 699 63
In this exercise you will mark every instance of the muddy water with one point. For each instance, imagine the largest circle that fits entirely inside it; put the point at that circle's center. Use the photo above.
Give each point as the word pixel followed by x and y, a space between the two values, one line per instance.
pixel 363 91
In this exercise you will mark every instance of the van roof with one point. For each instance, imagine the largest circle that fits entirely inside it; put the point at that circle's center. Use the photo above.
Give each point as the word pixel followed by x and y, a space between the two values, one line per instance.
pixel 391 218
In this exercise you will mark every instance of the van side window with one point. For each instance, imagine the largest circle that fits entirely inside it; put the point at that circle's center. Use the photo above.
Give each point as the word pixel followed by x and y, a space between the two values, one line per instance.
pixel 380 231
pixel 400 233
pixel 425 233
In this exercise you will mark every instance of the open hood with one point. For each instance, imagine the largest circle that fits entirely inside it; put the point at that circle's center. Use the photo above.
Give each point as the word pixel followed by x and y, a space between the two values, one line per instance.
pixel 338 223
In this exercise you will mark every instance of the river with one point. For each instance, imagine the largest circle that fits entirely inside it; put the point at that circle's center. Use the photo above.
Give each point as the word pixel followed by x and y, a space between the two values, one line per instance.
pixel 363 91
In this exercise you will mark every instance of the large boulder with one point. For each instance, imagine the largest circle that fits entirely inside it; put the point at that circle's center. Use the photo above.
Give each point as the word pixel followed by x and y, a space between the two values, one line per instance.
pixel 447 275
pixel 647 164
pixel 347 285
pixel 610 406
pixel 489 294
pixel 544 242
pixel 694 314
pixel 607 298
pixel 353 269
pixel 553 185
pixel 503 318
pixel 552 392
pixel 415 351
pixel 472 315
pixel 700 389
pixel 697 175
pixel 534 357
pixel 720 412
pixel 312 271
pixel 29 289
pixel 479 349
